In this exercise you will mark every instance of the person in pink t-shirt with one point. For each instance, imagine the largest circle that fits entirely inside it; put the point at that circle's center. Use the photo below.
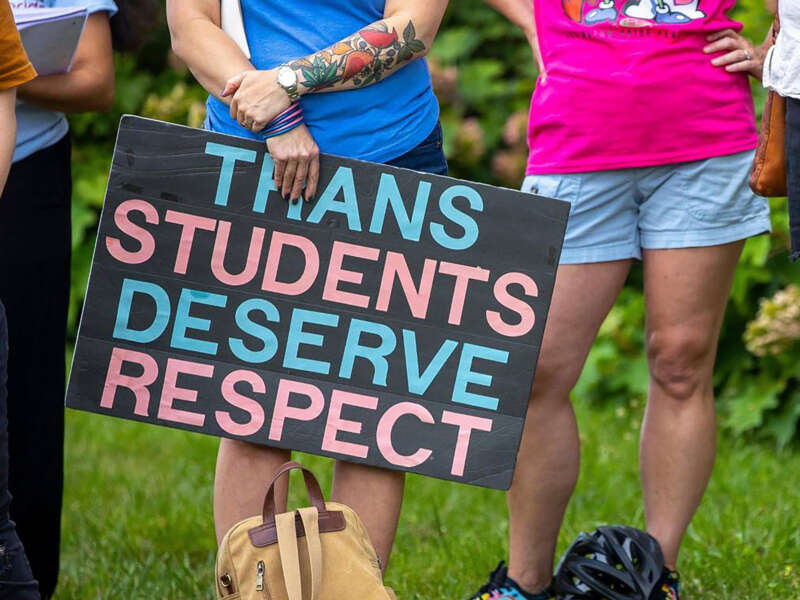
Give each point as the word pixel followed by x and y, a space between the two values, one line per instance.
pixel 643 120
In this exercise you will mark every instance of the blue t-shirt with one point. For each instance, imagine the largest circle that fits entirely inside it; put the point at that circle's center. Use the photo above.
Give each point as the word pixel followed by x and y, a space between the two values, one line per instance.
pixel 377 123
pixel 38 128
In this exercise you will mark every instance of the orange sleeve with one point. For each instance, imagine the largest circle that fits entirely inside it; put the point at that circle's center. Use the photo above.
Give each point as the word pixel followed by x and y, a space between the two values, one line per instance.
pixel 15 68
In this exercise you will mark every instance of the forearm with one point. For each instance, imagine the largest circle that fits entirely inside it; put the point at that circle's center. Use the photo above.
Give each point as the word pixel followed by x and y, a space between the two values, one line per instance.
pixel 89 85
pixel 8 133
pixel 519 12
pixel 73 92
pixel 369 55
pixel 196 36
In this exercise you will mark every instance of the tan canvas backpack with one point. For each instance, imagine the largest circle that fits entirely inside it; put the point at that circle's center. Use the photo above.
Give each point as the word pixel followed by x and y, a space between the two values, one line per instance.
pixel 322 552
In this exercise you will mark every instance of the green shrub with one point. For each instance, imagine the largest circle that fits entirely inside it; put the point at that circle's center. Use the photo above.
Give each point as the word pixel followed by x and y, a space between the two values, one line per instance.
pixel 483 72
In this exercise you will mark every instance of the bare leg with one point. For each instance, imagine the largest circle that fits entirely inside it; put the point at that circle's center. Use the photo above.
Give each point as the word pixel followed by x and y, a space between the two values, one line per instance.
pixel 377 496
pixel 685 293
pixel 547 468
pixel 243 473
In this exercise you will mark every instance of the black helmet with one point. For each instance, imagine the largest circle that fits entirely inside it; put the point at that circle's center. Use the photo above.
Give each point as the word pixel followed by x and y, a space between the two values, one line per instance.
pixel 613 563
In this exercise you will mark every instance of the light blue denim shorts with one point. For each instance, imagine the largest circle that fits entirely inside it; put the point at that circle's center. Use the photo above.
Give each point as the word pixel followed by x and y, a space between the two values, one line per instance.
pixel 615 214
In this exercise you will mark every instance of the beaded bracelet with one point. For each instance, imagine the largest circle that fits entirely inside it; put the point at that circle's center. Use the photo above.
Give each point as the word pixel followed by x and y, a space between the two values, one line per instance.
pixel 289 119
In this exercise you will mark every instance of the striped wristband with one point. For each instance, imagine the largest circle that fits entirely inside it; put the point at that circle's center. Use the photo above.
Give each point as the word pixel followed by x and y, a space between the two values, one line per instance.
pixel 289 119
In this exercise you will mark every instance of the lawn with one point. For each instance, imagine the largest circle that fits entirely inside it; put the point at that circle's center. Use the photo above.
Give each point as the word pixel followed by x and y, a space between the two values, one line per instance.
pixel 137 516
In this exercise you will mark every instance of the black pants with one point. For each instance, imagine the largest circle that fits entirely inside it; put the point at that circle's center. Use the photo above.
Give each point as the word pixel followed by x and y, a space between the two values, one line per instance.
pixel 793 174
pixel 16 580
pixel 34 286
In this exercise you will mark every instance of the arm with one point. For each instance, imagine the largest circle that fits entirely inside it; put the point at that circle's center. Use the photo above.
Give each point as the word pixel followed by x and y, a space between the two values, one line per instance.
pixel 520 12
pixel 8 132
pixel 367 56
pixel 741 56
pixel 406 32
pixel 194 26
pixel 89 85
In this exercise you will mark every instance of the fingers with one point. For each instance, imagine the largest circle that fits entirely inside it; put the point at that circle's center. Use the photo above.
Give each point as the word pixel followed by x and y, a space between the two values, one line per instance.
pixel 299 180
pixel 257 126
pixel 727 43
pixel 730 58
pixel 232 85
pixel 277 175
pixel 313 177
pixel 243 119
pixel 296 158
pixel 718 35
pixel 234 108
pixel 288 179
pixel 745 66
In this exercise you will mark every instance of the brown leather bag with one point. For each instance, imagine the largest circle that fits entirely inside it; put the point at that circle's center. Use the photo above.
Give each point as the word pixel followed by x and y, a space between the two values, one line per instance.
pixel 321 552
pixel 768 177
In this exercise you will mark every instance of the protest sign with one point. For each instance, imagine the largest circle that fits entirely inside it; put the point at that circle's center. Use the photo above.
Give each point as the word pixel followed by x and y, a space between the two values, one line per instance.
pixel 395 320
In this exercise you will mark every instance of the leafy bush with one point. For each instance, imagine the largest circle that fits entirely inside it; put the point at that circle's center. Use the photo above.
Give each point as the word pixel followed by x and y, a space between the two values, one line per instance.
pixel 483 73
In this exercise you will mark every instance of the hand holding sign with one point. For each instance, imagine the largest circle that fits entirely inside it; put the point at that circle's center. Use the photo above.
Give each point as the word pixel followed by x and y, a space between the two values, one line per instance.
pixel 395 321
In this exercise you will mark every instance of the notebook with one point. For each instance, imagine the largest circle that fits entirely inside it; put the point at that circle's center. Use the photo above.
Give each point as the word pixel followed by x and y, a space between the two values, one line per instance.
pixel 50 36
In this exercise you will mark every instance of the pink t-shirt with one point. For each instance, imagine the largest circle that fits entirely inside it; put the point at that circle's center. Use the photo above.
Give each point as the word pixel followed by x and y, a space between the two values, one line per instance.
pixel 628 85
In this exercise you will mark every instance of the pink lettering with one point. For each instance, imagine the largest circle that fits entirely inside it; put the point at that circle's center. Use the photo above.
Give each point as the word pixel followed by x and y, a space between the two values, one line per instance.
pixel 336 423
pixel 283 411
pixel 336 274
pixel 244 403
pixel 147 243
pixel 384 434
pixel 172 392
pixel 465 424
pixel 136 384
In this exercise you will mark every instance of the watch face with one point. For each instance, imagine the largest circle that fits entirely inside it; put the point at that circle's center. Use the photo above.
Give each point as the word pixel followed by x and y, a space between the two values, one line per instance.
pixel 287 77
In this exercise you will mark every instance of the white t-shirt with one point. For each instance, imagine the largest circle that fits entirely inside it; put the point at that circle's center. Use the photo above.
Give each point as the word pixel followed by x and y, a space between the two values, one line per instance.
pixel 38 128
pixel 782 65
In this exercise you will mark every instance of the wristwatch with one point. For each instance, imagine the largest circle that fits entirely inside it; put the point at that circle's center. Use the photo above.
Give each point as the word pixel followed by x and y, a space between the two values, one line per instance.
pixel 287 79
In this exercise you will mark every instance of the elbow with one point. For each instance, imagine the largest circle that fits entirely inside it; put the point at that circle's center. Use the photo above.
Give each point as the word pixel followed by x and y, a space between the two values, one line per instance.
pixel 102 98
pixel 177 44
pixel 105 100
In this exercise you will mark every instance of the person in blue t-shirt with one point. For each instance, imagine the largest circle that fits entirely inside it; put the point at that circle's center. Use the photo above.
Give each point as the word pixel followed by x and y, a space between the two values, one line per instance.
pixel 356 69
pixel 35 270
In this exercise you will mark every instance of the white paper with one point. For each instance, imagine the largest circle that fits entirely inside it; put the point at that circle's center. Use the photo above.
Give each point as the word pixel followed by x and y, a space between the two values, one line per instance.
pixel 50 36
pixel 233 24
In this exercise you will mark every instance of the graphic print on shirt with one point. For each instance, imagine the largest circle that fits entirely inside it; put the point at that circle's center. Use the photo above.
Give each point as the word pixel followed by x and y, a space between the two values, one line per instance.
pixel 633 13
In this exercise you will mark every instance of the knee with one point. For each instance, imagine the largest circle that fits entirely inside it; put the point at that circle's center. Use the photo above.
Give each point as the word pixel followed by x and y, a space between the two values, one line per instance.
pixel 556 375
pixel 681 361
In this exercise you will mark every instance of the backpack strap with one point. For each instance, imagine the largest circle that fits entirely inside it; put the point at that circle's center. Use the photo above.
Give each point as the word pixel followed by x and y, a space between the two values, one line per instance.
pixel 290 558
pixel 310 518
pixel 312 489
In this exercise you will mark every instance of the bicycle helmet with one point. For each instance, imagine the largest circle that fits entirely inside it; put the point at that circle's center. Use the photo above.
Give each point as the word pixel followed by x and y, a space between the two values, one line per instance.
pixel 613 563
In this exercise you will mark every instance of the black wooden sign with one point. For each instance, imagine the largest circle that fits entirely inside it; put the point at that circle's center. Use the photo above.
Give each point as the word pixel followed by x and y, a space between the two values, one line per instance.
pixel 396 320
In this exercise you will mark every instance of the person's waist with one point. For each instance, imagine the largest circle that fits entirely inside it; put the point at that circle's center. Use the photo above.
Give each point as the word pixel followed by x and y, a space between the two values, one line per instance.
pixel 38 128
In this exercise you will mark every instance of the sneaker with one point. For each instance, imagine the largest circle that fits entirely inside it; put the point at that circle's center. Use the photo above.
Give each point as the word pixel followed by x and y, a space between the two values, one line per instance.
pixel 670 586
pixel 501 587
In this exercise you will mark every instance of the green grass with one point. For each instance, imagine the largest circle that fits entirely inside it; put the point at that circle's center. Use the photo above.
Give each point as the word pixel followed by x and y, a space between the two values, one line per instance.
pixel 137 517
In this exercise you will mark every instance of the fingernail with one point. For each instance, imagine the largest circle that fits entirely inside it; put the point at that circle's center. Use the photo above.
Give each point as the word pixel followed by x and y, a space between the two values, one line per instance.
pixel 295 200
pixel 309 198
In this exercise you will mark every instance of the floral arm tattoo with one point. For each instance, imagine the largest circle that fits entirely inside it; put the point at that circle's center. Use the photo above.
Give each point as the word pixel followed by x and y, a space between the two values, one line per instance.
pixel 359 60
